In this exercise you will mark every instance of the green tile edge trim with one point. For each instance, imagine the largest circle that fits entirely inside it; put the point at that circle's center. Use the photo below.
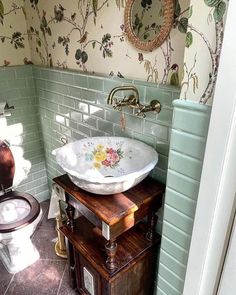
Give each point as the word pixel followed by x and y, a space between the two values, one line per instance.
pixel 185 115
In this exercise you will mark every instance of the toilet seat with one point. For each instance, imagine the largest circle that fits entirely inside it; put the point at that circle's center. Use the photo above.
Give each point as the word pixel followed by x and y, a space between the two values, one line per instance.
pixel 33 213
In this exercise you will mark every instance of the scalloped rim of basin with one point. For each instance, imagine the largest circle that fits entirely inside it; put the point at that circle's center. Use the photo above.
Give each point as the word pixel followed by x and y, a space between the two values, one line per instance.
pixel 146 169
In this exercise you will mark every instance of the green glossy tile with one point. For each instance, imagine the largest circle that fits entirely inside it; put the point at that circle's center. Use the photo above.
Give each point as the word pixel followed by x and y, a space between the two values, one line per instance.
pixel 95 84
pixel 185 165
pixel 183 184
pixel 171 277
pixel 95 132
pixel 164 285
pixel 174 250
pixel 81 81
pixel 149 140
pixel 69 102
pixel 165 115
pixel 45 74
pixel 165 97
pixel 160 131
pixel 67 78
pixel 76 116
pixel 162 147
pixel 110 84
pixel 177 267
pixel 158 291
pixel 84 129
pixel 105 126
pixel 159 174
pixel 191 121
pixel 180 220
pixel 180 202
pixel 55 76
pixel 90 121
pixel 7 74
pixel 96 111
pixel 188 144
pixel 162 162
pixel 82 107
pixel 24 72
pixel 176 235
pixel 87 95
pixel 74 91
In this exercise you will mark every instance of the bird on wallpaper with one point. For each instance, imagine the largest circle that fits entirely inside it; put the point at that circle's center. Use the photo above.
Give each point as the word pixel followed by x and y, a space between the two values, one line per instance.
pixel 6 63
pixel 27 62
pixel 140 57
pixel 119 75
pixel 83 38
pixel 174 78
pixel 59 13
pixel 73 16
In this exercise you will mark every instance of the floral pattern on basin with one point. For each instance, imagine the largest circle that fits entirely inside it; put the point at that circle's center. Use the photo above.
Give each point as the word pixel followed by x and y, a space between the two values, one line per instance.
pixel 106 165
pixel 105 156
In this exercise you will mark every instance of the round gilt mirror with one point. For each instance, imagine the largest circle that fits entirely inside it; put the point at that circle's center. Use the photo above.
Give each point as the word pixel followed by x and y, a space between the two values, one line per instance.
pixel 148 22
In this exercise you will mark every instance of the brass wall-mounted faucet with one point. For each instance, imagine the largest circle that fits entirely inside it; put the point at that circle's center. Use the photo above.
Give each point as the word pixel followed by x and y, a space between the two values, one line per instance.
pixel 154 105
pixel 132 101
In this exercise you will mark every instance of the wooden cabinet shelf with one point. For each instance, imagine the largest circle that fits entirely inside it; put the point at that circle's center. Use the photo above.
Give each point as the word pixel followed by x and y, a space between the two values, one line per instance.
pixel 111 250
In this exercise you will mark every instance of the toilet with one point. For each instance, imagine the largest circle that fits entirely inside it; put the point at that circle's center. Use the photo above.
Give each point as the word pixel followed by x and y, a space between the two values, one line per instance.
pixel 20 213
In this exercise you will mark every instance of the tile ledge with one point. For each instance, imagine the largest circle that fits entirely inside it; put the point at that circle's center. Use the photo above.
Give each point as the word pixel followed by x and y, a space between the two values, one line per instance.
pixel 191 105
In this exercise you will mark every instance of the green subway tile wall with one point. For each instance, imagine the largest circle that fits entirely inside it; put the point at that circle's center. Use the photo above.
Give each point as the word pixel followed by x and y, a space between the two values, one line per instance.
pixel 18 89
pixel 187 145
pixel 53 103
pixel 74 105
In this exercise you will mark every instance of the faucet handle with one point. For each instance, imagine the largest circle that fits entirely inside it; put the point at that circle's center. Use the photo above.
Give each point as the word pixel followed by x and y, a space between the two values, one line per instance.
pixel 155 105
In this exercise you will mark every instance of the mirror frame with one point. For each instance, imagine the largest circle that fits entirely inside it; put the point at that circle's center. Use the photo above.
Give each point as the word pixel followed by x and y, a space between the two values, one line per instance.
pixel 164 32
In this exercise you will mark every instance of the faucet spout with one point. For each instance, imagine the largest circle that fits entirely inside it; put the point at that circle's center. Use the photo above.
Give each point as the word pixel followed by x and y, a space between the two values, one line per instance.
pixel 121 88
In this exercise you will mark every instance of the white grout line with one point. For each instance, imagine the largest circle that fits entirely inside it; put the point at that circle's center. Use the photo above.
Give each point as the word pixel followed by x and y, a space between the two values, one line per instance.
pixel 9 284
pixel 59 287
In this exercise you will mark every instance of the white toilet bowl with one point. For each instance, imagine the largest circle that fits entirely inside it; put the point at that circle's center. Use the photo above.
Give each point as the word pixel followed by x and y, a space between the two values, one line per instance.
pixel 20 213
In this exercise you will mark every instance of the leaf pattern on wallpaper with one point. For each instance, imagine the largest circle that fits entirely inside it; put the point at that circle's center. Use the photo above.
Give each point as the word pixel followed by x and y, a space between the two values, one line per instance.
pixel 170 73
pixel 86 9
pixel 1 12
pixel 16 38
pixel 218 10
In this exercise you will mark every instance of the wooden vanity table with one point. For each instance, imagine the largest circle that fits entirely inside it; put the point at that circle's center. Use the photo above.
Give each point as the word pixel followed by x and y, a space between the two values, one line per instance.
pixel 110 250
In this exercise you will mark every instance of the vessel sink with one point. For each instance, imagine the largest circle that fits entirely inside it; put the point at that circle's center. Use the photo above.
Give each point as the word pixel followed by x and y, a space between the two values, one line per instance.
pixel 106 165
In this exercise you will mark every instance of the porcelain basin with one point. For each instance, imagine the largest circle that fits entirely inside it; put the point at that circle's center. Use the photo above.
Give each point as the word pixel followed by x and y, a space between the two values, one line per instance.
pixel 106 165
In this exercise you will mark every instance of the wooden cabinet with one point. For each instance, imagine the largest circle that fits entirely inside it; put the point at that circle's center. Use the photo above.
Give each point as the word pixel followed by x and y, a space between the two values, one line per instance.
pixel 111 250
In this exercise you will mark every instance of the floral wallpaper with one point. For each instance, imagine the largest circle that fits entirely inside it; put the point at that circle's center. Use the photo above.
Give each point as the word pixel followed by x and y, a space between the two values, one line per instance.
pixel 14 45
pixel 89 35
pixel 203 45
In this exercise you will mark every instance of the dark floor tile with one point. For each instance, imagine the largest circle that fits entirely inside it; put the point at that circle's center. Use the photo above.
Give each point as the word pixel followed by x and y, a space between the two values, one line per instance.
pixel 44 241
pixel 45 222
pixel 5 278
pixel 65 288
pixel 43 278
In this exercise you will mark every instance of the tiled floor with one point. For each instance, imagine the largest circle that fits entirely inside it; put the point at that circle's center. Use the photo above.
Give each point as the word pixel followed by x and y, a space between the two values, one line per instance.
pixel 49 275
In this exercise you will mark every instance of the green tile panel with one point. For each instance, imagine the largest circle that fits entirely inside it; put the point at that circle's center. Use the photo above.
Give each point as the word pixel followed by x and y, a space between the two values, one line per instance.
pixel 171 277
pixel 175 250
pixel 169 289
pixel 185 165
pixel 18 89
pixel 187 144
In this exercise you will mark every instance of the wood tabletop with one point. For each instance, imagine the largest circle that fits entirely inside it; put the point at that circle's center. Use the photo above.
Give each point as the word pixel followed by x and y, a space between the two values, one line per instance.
pixel 112 208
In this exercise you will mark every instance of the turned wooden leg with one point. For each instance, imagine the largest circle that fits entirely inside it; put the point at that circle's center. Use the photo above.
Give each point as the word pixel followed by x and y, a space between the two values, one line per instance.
pixel 70 212
pixel 152 221
pixel 111 248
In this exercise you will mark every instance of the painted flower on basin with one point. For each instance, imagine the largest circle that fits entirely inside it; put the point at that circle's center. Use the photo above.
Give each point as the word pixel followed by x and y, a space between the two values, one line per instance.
pixel 105 156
